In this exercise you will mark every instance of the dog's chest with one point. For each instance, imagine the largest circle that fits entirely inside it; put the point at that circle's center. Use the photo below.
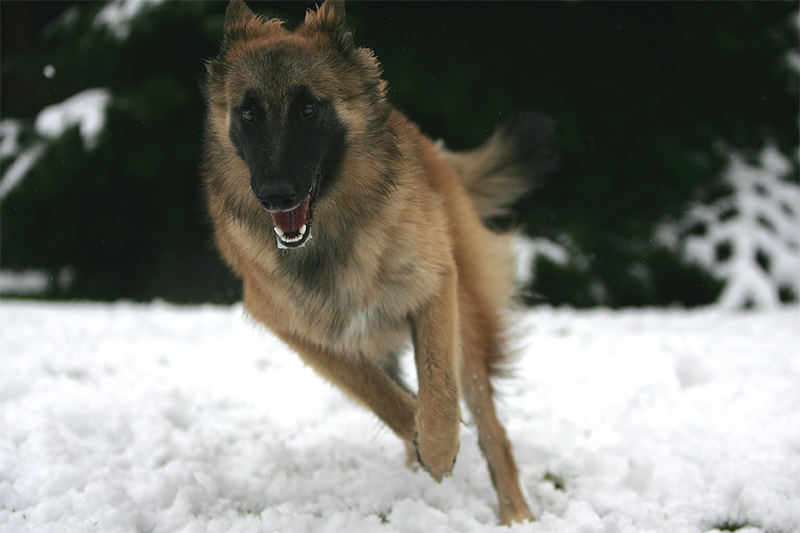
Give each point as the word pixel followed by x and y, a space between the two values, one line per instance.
pixel 354 309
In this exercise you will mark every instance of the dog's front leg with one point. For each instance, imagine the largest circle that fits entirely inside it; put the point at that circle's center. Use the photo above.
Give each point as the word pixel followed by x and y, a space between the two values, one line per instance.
pixel 363 381
pixel 435 333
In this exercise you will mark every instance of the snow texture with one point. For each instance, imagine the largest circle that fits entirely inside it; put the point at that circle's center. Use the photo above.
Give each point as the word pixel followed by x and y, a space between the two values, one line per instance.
pixel 17 170
pixel 527 250
pixel 118 15
pixel 86 109
pixel 124 418
pixel 751 238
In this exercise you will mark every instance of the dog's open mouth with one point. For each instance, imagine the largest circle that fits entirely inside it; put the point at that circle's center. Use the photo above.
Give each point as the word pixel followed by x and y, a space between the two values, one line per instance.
pixel 293 226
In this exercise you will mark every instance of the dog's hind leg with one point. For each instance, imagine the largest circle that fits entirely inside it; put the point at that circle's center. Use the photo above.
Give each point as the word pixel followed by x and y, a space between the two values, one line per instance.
pixel 480 345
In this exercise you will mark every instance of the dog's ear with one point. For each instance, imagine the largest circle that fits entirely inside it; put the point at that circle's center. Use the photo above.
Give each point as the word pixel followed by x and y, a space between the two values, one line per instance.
pixel 242 24
pixel 237 17
pixel 329 18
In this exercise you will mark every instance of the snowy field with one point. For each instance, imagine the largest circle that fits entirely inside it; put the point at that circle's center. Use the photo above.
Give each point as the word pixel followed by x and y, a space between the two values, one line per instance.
pixel 155 418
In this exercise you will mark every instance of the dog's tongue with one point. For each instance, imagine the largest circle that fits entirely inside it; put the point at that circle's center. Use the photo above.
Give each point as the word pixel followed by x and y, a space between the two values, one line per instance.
pixel 291 221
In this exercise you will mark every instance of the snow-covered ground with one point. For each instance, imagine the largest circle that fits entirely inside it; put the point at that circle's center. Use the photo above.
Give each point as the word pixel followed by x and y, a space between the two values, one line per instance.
pixel 155 418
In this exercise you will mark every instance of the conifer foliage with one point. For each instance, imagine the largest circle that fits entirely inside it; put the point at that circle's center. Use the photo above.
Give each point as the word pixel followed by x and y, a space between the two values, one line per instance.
pixel 750 237
pixel 101 122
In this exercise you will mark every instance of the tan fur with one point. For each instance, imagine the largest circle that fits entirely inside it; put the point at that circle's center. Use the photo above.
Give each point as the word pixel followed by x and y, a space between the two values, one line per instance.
pixel 419 263
pixel 490 175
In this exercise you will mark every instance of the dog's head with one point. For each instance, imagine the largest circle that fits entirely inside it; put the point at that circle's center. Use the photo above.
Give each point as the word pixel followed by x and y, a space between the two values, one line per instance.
pixel 288 104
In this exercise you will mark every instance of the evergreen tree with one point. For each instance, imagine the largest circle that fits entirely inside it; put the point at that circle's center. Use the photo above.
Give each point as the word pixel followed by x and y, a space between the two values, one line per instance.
pixel 123 214
pixel 644 96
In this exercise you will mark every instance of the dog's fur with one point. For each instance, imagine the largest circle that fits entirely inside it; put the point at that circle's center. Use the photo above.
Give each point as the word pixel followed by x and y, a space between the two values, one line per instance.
pixel 398 251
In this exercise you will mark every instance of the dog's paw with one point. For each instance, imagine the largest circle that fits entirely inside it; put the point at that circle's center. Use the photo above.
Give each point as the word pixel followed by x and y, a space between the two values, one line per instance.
pixel 436 455
pixel 515 514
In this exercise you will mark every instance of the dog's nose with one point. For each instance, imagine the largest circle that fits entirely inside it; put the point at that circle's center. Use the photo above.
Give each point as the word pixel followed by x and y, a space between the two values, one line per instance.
pixel 278 196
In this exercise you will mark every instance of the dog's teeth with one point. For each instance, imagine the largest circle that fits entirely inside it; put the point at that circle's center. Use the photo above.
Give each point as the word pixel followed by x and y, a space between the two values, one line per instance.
pixel 292 238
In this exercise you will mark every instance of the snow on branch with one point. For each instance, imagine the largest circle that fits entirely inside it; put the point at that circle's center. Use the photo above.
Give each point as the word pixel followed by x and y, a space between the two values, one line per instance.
pixel 527 250
pixel 118 15
pixel 86 109
pixel 10 132
pixel 22 164
pixel 751 238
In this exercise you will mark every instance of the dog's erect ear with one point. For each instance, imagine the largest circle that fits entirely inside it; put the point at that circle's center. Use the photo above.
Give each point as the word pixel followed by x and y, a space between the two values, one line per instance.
pixel 242 24
pixel 237 17
pixel 329 18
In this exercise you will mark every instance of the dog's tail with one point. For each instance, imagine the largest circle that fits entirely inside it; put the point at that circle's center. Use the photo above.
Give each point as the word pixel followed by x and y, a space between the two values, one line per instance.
pixel 507 165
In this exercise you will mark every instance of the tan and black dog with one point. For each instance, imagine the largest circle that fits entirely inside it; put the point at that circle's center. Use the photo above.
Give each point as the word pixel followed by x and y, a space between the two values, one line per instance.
pixel 353 233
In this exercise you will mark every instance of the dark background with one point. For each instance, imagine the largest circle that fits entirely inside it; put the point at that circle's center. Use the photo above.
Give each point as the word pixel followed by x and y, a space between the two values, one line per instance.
pixel 649 99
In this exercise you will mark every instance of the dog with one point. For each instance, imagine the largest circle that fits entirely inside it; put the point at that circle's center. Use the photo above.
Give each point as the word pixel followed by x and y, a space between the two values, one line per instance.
pixel 353 232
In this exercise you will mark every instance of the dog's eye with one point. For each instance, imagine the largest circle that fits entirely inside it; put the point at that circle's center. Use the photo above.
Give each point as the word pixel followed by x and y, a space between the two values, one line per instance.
pixel 247 115
pixel 309 110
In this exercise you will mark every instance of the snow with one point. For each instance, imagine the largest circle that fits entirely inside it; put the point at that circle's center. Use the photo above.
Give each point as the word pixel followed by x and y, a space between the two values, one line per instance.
pixel 759 224
pixel 13 173
pixel 10 131
pixel 117 15
pixel 27 282
pixel 86 109
pixel 793 56
pixel 123 417
pixel 527 250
